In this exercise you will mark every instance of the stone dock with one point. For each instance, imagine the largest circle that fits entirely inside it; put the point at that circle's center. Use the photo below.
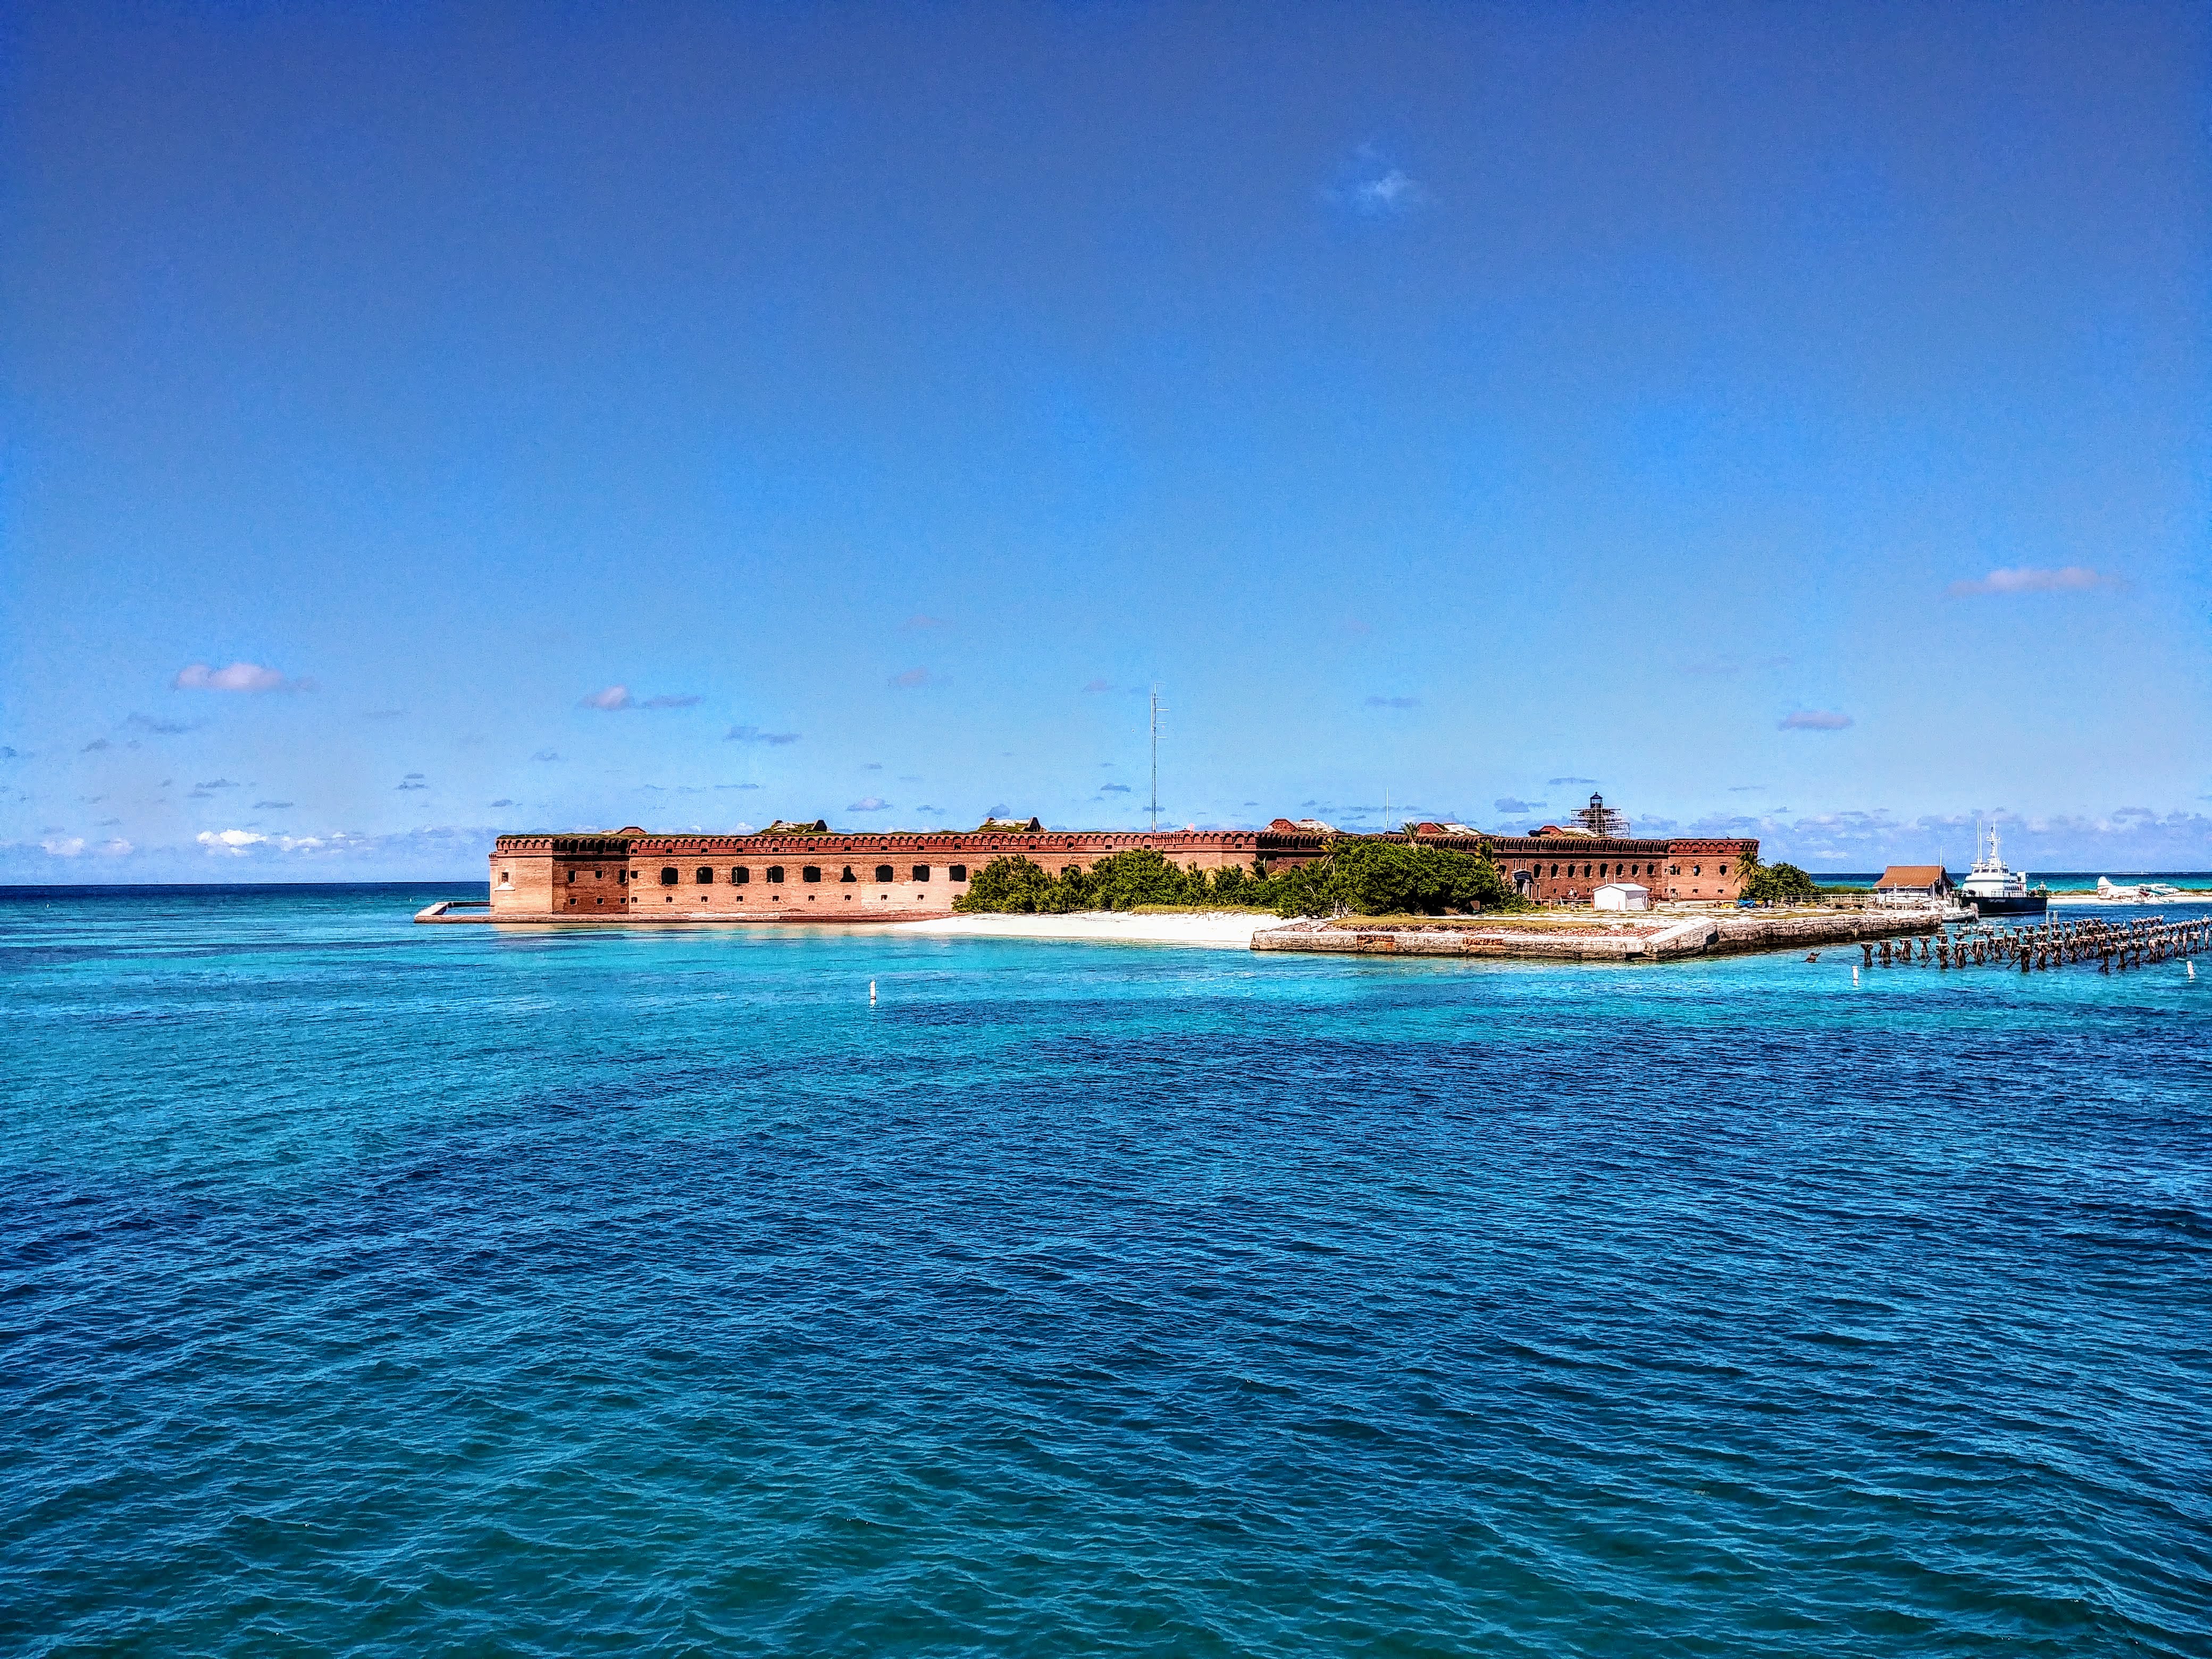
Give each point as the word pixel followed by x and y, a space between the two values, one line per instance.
pixel 1660 938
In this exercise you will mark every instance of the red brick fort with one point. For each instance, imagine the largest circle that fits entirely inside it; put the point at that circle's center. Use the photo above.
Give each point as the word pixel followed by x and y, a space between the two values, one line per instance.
pixel 809 872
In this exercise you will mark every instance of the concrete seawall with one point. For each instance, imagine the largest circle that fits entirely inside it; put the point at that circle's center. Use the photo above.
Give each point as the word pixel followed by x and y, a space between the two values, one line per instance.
pixel 1659 939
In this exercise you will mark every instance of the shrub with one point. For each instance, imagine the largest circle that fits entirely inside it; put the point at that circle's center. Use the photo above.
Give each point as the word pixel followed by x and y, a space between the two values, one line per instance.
pixel 1009 884
pixel 1371 878
pixel 1387 877
pixel 1779 884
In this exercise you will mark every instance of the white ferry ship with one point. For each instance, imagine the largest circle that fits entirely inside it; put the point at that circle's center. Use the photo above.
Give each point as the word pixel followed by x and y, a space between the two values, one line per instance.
pixel 1995 890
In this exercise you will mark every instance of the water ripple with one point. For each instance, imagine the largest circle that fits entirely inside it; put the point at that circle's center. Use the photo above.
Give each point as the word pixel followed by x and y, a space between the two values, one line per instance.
pixel 385 1290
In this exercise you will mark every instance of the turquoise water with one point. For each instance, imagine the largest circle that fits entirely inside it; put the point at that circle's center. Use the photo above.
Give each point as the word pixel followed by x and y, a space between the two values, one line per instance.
pixel 381 1289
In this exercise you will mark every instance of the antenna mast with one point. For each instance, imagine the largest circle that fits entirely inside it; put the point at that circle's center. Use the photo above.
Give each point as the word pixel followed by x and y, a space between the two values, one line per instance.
pixel 1158 709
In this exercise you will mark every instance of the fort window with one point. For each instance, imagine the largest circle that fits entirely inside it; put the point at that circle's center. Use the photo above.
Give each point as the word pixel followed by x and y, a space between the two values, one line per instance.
pixel 958 872
pixel 1600 869
pixel 668 875
pixel 884 872
pixel 1555 871
pixel 809 872
pixel 1697 869
pixel 705 876
pixel 776 873
pixel 849 875
pixel 572 881
pixel 740 875
pixel 922 872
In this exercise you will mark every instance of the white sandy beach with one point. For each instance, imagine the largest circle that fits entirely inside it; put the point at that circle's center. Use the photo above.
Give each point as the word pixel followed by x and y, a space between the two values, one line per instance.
pixel 1230 927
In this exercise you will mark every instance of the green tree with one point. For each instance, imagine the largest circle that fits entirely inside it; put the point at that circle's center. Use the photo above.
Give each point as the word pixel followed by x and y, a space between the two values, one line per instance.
pixel 1774 883
pixel 1141 875
pixel 1386 877
pixel 1010 882
pixel 1371 878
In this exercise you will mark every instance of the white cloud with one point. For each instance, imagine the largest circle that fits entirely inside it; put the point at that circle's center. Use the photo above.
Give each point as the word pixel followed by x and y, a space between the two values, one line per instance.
pixel 869 804
pixel 2070 579
pixel 114 847
pixel 229 842
pixel 1813 719
pixel 1395 191
pixel 238 843
pixel 64 847
pixel 754 734
pixel 238 677
pixel 617 698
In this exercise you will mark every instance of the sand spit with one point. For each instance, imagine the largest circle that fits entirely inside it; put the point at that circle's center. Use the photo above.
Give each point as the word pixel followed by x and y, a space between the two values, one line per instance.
pixel 1211 928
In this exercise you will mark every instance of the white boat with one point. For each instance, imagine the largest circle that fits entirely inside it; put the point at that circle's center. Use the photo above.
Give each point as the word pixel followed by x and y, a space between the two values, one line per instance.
pixel 1995 890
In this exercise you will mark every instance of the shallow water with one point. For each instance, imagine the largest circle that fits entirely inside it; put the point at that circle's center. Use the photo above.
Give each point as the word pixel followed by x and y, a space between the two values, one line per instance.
pixel 387 1289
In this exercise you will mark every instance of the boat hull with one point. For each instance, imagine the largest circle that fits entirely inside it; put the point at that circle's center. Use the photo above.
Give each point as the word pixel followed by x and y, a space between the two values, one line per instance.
pixel 2013 904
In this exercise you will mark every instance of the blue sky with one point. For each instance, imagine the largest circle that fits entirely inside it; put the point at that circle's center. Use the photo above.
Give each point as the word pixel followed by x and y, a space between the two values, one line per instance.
pixel 421 422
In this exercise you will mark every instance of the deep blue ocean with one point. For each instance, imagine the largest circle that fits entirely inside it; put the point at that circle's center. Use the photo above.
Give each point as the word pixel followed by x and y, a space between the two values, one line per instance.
pixel 382 1289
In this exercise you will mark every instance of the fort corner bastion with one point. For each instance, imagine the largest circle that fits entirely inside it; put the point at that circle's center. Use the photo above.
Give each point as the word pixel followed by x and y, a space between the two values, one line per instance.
pixel 807 871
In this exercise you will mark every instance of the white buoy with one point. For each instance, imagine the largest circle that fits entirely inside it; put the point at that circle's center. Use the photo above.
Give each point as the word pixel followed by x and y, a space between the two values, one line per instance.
pixel 871 994
pixel 1855 976
pixel 2192 969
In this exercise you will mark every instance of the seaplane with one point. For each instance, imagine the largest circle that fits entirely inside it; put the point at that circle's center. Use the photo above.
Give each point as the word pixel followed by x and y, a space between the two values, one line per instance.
pixel 2148 892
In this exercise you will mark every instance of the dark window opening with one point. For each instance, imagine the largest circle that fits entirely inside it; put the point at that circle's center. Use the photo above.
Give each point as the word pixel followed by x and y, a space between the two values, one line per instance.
pixel 849 875
pixel 668 875
pixel 809 872
pixel 572 880
pixel 885 872
pixel 922 872
pixel 706 876
pixel 776 873
pixel 740 875
pixel 958 872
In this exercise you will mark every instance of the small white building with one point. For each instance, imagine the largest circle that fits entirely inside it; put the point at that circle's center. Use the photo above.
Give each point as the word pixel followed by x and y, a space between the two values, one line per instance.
pixel 1622 895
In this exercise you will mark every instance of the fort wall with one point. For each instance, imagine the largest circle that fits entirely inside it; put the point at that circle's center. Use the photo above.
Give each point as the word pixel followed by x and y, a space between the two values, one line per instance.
pixel 635 875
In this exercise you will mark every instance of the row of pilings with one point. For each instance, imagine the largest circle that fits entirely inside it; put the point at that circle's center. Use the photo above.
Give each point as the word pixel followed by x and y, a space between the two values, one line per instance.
pixel 2110 944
